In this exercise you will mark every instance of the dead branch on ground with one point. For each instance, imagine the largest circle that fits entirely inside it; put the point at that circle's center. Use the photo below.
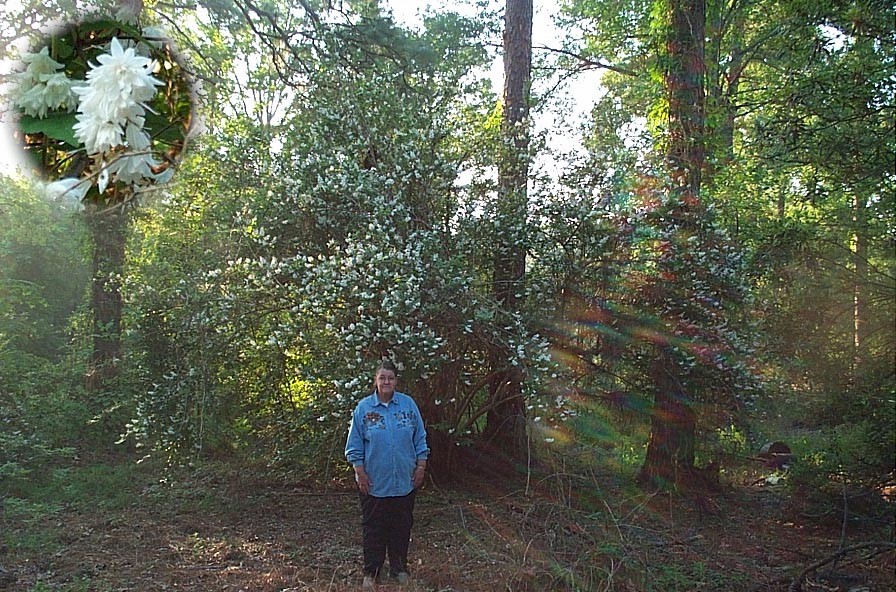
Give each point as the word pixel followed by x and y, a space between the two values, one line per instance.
pixel 879 547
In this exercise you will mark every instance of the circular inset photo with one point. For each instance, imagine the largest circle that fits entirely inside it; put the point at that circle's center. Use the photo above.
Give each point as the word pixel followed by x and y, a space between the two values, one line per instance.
pixel 104 109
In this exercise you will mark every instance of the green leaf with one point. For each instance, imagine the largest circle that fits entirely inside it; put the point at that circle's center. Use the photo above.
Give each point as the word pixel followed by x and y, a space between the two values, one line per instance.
pixel 162 129
pixel 105 29
pixel 63 49
pixel 58 125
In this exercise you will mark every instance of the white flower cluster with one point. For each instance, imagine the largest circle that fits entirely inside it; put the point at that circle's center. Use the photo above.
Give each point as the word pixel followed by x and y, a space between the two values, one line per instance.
pixel 42 87
pixel 112 103
pixel 69 191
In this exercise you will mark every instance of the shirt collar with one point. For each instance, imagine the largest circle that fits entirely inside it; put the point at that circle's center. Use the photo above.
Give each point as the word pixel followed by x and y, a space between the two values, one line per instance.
pixel 374 400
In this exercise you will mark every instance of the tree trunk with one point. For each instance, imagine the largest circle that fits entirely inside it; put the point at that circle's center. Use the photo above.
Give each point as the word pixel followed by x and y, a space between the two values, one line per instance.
pixel 684 85
pixel 108 234
pixel 506 418
pixel 860 298
pixel 670 450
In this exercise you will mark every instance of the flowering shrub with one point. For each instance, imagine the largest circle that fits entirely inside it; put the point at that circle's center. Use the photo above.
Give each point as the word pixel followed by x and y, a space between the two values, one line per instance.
pixel 346 243
pixel 42 86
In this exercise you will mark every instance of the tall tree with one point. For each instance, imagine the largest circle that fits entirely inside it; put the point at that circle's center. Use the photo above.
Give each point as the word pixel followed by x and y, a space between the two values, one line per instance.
pixel 506 419
pixel 682 23
pixel 108 227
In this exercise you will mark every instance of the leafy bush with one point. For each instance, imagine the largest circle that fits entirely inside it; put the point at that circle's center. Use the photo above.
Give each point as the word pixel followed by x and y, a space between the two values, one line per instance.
pixel 844 468
pixel 39 419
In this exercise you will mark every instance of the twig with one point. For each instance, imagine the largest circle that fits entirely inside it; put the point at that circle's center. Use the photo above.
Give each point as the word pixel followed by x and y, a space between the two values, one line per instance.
pixel 797 584
pixel 586 63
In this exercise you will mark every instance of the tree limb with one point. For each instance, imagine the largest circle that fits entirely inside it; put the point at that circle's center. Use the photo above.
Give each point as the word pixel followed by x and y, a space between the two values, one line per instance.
pixel 880 546
pixel 586 63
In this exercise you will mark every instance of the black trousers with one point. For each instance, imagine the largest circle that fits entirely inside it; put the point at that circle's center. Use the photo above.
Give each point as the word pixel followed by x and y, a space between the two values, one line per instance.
pixel 386 523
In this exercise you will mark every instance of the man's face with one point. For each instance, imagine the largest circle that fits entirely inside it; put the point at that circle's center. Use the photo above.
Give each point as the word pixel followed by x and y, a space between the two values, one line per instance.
pixel 385 382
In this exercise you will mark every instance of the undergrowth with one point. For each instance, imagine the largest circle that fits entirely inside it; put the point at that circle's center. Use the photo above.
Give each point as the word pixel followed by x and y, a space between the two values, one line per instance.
pixel 225 524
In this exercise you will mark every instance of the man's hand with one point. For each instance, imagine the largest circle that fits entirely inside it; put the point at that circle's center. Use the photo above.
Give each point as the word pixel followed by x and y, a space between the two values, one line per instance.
pixel 362 479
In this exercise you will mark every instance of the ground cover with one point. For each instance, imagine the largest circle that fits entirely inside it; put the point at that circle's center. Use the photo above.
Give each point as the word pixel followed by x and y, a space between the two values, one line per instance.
pixel 114 527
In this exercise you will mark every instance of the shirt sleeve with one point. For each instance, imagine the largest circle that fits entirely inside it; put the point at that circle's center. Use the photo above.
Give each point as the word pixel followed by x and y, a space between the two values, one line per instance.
pixel 354 444
pixel 421 448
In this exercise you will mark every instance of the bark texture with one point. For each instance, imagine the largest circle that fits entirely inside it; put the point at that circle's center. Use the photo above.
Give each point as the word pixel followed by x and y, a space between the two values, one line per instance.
pixel 506 418
pixel 669 463
pixel 108 230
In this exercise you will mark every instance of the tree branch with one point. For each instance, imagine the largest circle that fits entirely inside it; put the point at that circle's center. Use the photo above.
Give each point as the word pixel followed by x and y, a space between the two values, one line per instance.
pixel 880 546
pixel 586 63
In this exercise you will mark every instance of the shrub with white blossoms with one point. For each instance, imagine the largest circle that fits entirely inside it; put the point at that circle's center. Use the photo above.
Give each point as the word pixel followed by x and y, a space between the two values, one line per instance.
pixel 111 101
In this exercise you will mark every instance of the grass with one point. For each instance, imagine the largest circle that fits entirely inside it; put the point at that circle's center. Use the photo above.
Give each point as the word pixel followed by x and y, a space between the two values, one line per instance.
pixel 82 585
pixel 35 504
pixel 695 577
pixel 109 486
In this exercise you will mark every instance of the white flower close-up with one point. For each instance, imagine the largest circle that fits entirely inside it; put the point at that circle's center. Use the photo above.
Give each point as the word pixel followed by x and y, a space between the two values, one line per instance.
pixel 39 64
pixel 98 135
pixel 102 180
pixel 42 87
pixel 136 136
pixel 69 191
pixel 58 92
pixel 32 102
pixel 132 167
pixel 114 96
pixel 106 108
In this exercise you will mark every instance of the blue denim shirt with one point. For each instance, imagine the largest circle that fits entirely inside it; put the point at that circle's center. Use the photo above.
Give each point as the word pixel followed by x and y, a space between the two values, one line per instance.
pixel 387 439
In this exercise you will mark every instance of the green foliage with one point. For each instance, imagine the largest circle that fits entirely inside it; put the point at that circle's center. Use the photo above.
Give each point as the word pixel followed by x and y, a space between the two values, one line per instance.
pixel 341 208
pixel 825 137
pixel 732 440
pixel 800 154
pixel 56 126
pixel 34 506
pixel 856 431
pixel 42 272
pixel 844 468
pixel 326 241
pixel 42 284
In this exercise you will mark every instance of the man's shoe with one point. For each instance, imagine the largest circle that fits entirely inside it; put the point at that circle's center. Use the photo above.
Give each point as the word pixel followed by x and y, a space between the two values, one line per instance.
pixel 403 577
pixel 369 584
